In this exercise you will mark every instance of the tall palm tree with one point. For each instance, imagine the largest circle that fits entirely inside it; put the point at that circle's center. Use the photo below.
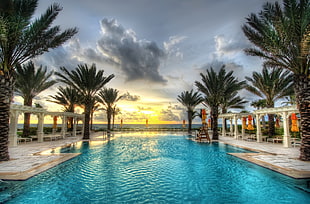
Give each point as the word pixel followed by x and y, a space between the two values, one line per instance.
pixel 22 38
pixel 108 97
pixel 29 83
pixel 116 111
pixel 87 81
pixel 271 86
pixel 95 106
pixel 281 35
pixel 68 98
pixel 190 100
pixel 217 87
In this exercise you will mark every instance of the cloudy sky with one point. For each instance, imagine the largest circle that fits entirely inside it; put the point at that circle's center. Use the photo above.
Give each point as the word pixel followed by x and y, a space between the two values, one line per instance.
pixel 155 49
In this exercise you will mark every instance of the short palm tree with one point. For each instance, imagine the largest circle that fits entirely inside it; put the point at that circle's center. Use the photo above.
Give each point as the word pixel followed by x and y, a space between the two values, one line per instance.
pixel 108 97
pixel 68 98
pixel 29 83
pixel 232 101
pixel 271 86
pixel 259 104
pixel 87 81
pixel 190 100
pixel 22 38
pixel 281 35
pixel 217 87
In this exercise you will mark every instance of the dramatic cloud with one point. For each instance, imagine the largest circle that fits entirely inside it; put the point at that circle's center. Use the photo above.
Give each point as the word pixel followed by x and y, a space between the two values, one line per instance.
pixel 128 97
pixel 171 47
pixel 138 59
pixel 168 115
pixel 229 46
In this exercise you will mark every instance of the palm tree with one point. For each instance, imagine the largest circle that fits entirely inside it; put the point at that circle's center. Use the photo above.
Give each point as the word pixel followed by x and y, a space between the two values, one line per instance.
pixel 87 81
pixel 231 98
pixel 29 83
pixel 271 86
pixel 281 36
pixel 68 98
pixel 108 97
pixel 22 38
pixel 290 100
pixel 95 106
pixel 116 111
pixel 190 100
pixel 217 89
pixel 261 103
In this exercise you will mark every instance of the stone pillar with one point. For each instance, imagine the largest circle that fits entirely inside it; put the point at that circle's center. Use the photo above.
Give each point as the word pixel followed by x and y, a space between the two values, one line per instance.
pixel 258 129
pixel 243 130
pixel 40 132
pixel 74 126
pixel 286 127
pixel 236 127
pixel 231 128
pixel 223 127
pixel 13 128
pixel 64 127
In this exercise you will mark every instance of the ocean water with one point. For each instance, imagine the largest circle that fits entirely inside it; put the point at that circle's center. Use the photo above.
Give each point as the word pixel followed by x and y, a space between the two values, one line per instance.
pixel 130 126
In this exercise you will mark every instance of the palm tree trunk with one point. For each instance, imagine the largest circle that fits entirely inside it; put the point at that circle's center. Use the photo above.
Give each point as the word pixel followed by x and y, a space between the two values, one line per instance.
pixel 26 128
pixel 214 116
pixel 113 118
pixel 109 115
pixel 189 118
pixel 6 93
pixel 302 89
pixel 271 128
pixel 91 120
pixel 86 123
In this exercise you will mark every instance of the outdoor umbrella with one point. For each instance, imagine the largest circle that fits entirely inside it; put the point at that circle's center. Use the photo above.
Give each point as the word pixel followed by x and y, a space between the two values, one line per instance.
pixel 250 126
pixel 294 123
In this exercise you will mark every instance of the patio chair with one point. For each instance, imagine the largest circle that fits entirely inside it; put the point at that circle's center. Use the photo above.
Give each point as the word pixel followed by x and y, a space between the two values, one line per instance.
pixel 295 142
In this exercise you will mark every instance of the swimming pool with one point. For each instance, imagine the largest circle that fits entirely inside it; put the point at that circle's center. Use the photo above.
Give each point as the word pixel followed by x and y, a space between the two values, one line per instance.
pixel 155 168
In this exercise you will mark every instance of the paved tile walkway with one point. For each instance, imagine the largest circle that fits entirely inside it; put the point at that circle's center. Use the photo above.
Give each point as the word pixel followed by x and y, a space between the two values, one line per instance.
pixel 26 160
pixel 273 156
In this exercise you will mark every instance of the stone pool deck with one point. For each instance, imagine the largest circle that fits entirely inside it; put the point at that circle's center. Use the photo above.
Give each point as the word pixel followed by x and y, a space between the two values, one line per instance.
pixel 272 156
pixel 28 160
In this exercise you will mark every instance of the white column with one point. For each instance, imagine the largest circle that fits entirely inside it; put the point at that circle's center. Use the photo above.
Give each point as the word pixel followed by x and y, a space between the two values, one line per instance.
pixel 236 127
pixel 258 129
pixel 243 130
pixel 74 126
pixel 40 132
pixel 223 127
pixel 13 128
pixel 231 129
pixel 64 127
pixel 286 136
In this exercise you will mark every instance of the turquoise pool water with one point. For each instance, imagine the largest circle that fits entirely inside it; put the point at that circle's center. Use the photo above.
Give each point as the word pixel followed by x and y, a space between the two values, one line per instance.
pixel 155 168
